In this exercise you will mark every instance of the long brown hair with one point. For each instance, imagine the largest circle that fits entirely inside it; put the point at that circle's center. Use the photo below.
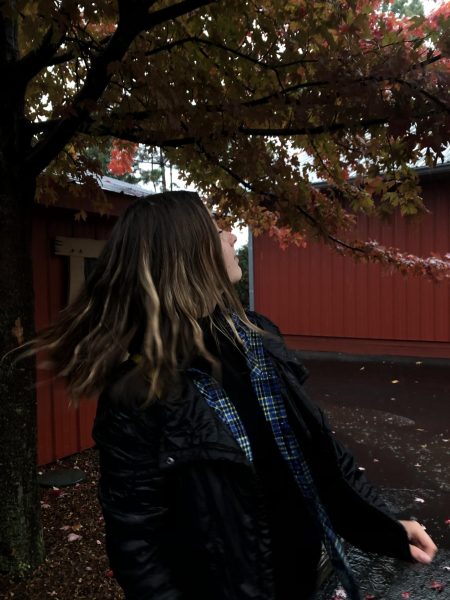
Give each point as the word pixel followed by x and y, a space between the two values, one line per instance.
pixel 159 273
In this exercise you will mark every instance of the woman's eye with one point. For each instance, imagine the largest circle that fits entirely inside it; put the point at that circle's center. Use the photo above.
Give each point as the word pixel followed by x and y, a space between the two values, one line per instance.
pixel 220 231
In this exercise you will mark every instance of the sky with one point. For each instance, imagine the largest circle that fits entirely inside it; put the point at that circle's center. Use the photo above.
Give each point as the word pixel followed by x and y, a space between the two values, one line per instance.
pixel 430 5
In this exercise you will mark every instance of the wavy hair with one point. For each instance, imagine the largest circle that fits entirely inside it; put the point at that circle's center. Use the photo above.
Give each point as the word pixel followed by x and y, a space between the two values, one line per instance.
pixel 159 273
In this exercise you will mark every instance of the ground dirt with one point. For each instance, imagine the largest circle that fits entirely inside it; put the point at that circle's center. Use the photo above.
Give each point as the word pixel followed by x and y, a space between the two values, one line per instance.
pixel 75 569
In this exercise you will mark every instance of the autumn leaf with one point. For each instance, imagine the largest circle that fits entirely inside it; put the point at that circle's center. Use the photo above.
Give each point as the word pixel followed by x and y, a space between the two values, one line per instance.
pixel 17 331
pixel 437 585
pixel 122 157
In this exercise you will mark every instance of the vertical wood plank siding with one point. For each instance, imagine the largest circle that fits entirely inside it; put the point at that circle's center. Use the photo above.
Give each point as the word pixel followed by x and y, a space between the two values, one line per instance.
pixel 325 302
pixel 62 430
pixel 321 301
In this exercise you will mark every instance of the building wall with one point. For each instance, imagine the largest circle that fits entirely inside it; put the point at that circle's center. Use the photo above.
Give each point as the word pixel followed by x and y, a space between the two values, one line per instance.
pixel 325 302
pixel 62 430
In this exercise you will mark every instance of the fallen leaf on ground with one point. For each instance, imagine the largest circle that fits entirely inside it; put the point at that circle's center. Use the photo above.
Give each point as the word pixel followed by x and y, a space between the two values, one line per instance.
pixel 437 585
pixel 395 381
pixel 73 537
pixel 419 500
pixel 406 594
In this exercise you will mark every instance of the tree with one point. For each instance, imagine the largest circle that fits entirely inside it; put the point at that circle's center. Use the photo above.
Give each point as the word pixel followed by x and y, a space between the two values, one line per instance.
pixel 247 99
pixel 406 8
pixel 132 163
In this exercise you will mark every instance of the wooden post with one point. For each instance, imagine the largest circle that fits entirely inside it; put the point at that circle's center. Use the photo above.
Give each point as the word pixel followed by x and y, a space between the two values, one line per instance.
pixel 77 249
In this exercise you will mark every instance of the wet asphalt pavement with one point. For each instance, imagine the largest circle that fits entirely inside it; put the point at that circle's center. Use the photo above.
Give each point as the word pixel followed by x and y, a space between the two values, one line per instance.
pixel 394 415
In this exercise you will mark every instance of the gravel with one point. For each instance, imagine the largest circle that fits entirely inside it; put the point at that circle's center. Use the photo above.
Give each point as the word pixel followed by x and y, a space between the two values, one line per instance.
pixel 76 566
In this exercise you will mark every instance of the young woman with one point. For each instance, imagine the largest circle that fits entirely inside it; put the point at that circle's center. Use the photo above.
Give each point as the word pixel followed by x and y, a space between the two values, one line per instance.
pixel 220 480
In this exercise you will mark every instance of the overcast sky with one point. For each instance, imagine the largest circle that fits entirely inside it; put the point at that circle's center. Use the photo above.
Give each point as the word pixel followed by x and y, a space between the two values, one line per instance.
pixel 429 5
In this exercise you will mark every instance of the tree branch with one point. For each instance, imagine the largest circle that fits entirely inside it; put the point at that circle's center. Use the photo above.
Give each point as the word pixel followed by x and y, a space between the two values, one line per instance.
pixel 129 26
pixel 286 131
pixel 273 197
pixel 33 62
pixel 202 41
pixel 172 12
pixel 442 105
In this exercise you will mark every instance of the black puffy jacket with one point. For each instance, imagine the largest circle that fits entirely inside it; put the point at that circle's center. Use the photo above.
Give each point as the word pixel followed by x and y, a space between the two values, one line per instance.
pixel 182 506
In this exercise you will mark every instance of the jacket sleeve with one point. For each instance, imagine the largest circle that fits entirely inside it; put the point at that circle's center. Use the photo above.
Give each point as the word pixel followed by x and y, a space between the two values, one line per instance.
pixel 131 494
pixel 356 509
pixel 354 505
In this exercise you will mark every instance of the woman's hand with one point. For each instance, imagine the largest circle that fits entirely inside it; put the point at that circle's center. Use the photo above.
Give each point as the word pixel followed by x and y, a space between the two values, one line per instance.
pixel 421 546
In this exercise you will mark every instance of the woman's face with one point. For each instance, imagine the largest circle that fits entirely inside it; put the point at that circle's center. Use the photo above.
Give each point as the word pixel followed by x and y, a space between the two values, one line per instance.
pixel 228 240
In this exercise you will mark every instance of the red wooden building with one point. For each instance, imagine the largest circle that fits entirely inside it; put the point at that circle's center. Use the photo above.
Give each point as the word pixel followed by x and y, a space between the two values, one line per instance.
pixel 62 430
pixel 321 301
pixel 325 302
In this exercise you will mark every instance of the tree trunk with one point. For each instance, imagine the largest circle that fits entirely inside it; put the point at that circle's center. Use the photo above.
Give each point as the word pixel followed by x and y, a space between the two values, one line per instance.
pixel 21 544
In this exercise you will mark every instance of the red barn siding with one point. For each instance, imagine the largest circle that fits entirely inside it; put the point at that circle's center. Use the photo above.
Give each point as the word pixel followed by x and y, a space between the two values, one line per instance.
pixel 62 430
pixel 323 301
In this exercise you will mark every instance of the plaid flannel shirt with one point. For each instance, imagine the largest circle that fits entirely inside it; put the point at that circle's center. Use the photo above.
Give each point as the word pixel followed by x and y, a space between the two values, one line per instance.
pixel 267 388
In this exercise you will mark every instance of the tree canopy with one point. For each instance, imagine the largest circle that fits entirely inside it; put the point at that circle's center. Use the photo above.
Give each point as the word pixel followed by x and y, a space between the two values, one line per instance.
pixel 253 102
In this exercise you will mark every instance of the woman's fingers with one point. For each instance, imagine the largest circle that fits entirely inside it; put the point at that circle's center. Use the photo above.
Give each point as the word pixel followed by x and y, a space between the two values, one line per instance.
pixel 422 547
pixel 419 555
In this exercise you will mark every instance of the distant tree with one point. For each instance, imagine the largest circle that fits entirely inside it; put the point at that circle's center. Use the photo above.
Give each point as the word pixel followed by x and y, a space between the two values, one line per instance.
pixel 404 8
pixel 133 163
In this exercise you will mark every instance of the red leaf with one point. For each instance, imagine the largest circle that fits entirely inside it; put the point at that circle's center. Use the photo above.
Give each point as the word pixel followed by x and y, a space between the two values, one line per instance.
pixel 109 573
pixel 437 585
pixel 122 157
